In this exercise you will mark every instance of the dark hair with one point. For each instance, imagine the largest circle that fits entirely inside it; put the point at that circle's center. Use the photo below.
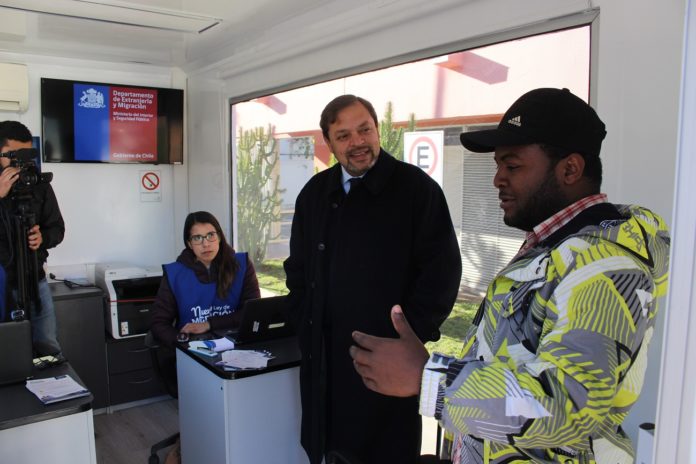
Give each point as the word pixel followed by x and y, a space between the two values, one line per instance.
pixel 13 130
pixel 593 164
pixel 225 261
pixel 330 113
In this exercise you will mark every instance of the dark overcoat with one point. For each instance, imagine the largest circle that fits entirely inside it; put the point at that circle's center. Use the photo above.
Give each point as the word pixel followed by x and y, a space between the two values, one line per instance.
pixel 352 257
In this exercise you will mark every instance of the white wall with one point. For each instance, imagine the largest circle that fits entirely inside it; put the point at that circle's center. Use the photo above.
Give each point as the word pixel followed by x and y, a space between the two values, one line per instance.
pixel 104 217
pixel 209 170
pixel 638 79
pixel 636 69
pixel 676 425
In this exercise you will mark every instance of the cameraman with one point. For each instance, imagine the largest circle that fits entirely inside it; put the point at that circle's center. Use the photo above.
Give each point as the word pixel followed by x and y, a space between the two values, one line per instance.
pixel 46 233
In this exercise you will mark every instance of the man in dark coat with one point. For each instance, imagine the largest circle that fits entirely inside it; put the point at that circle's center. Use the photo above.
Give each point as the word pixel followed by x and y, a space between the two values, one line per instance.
pixel 368 233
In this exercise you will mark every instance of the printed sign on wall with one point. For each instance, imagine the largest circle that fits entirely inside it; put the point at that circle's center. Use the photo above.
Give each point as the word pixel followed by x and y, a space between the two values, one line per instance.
pixel 150 189
pixel 121 123
pixel 425 150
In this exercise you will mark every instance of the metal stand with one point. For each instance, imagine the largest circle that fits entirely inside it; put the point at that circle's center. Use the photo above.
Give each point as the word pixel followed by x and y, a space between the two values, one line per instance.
pixel 26 260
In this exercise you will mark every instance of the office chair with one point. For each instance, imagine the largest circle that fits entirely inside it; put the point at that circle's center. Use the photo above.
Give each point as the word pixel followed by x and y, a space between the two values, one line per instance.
pixel 164 365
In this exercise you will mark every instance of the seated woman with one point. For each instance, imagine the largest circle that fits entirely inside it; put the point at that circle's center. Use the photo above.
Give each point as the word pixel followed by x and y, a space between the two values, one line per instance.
pixel 206 285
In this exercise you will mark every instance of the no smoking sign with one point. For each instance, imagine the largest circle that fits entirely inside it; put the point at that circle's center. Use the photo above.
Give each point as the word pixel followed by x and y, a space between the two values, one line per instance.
pixel 425 150
pixel 150 189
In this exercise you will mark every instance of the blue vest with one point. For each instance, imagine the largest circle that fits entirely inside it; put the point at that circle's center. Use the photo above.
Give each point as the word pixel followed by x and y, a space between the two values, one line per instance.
pixel 197 301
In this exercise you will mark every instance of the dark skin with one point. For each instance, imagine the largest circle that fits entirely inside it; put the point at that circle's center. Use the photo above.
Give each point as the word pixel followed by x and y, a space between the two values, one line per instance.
pixel 394 366
pixel 391 366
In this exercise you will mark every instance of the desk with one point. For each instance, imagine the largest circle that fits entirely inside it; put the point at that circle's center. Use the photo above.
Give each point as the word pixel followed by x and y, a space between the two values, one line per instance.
pixel 115 371
pixel 59 433
pixel 243 417
pixel 80 318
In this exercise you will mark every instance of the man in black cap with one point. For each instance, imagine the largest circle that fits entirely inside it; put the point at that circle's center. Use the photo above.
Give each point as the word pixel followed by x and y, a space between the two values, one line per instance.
pixel 558 351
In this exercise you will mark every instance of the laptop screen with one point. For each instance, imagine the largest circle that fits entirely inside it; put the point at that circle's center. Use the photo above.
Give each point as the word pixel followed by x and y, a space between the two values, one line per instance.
pixel 15 344
pixel 262 319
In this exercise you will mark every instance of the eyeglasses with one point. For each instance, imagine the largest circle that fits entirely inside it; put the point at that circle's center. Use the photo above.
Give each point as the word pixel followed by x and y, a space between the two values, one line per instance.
pixel 198 239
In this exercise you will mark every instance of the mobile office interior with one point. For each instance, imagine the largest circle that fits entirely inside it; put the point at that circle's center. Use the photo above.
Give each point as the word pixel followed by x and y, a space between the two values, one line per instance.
pixel 642 84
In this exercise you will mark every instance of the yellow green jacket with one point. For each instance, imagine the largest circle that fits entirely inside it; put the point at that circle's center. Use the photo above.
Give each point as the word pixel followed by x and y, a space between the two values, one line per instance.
pixel 560 350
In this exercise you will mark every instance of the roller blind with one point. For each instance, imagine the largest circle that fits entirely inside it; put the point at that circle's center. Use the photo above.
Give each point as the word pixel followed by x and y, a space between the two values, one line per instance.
pixel 485 242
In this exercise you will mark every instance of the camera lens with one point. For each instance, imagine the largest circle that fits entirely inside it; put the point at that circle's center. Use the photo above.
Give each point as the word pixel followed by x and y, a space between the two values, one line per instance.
pixel 28 176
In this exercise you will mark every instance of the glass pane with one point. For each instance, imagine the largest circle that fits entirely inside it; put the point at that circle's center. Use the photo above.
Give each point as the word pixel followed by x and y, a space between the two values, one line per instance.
pixel 278 145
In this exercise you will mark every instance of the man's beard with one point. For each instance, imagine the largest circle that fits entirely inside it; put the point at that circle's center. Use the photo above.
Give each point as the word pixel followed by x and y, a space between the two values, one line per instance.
pixel 547 200
pixel 359 171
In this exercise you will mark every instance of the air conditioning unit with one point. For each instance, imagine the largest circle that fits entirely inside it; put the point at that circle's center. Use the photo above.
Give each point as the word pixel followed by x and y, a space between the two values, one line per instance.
pixel 14 87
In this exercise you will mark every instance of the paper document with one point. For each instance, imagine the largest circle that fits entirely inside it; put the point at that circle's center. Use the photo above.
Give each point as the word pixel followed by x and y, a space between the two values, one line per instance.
pixel 245 359
pixel 53 389
pixel 220 344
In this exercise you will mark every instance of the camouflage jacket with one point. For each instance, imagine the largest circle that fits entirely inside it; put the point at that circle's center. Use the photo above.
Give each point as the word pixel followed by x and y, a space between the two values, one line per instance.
pixel 559 352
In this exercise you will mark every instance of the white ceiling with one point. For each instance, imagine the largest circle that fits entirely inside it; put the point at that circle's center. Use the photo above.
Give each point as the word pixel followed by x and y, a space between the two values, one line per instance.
pixel 61 34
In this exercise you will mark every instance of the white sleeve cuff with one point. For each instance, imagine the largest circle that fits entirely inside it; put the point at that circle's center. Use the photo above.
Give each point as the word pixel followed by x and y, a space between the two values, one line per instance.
pixel 432 383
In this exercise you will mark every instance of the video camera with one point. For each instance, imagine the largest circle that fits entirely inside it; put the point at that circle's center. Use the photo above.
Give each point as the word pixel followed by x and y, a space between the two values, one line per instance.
pixel 29 173
pixel 23 218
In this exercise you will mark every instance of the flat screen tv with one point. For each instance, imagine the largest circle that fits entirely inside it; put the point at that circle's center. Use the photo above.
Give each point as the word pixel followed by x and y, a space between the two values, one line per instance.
pixel 89 122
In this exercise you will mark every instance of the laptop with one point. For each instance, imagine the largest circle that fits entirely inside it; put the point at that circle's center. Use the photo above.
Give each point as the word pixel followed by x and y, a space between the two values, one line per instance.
pixel 262 319
pixel 16 348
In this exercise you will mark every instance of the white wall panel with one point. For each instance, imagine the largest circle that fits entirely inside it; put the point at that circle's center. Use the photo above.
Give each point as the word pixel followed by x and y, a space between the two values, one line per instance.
pixel 208 168
pixel 676 421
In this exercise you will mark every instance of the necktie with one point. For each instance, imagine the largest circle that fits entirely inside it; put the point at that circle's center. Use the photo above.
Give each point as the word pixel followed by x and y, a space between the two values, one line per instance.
pixel 354 183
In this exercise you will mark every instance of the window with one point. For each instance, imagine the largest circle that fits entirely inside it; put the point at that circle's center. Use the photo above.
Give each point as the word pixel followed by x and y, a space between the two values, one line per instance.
pixel 456 92
pixel 485 242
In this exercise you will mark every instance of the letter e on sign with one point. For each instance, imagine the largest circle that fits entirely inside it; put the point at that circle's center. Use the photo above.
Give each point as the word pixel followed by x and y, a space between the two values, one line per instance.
pixel 425 150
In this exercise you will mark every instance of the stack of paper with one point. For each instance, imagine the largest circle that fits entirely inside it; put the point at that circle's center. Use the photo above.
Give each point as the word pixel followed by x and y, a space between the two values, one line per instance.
pixel 211 347
pixel 220 344
pixel 244 359
pixel 54 389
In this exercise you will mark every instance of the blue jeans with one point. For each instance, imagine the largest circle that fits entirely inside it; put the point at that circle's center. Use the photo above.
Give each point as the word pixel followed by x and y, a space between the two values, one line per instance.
pixel 44 330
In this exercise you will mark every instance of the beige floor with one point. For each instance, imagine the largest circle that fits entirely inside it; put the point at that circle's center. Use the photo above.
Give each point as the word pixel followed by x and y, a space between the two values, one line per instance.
pixel 125 436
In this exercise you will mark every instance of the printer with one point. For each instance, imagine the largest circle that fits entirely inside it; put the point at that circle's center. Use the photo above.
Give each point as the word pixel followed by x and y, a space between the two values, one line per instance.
pixel 130 293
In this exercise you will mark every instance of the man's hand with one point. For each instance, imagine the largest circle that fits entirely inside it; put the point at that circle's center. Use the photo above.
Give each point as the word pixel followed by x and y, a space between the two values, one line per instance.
pixel 34 237
pixel 391 366
pixel 7 179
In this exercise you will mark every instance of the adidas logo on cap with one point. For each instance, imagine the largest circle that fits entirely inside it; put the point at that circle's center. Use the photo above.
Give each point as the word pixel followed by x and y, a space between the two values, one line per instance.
pixel 552 116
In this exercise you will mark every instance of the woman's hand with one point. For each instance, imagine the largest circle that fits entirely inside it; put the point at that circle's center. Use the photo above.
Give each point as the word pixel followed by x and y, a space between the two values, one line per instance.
pixel 196 327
